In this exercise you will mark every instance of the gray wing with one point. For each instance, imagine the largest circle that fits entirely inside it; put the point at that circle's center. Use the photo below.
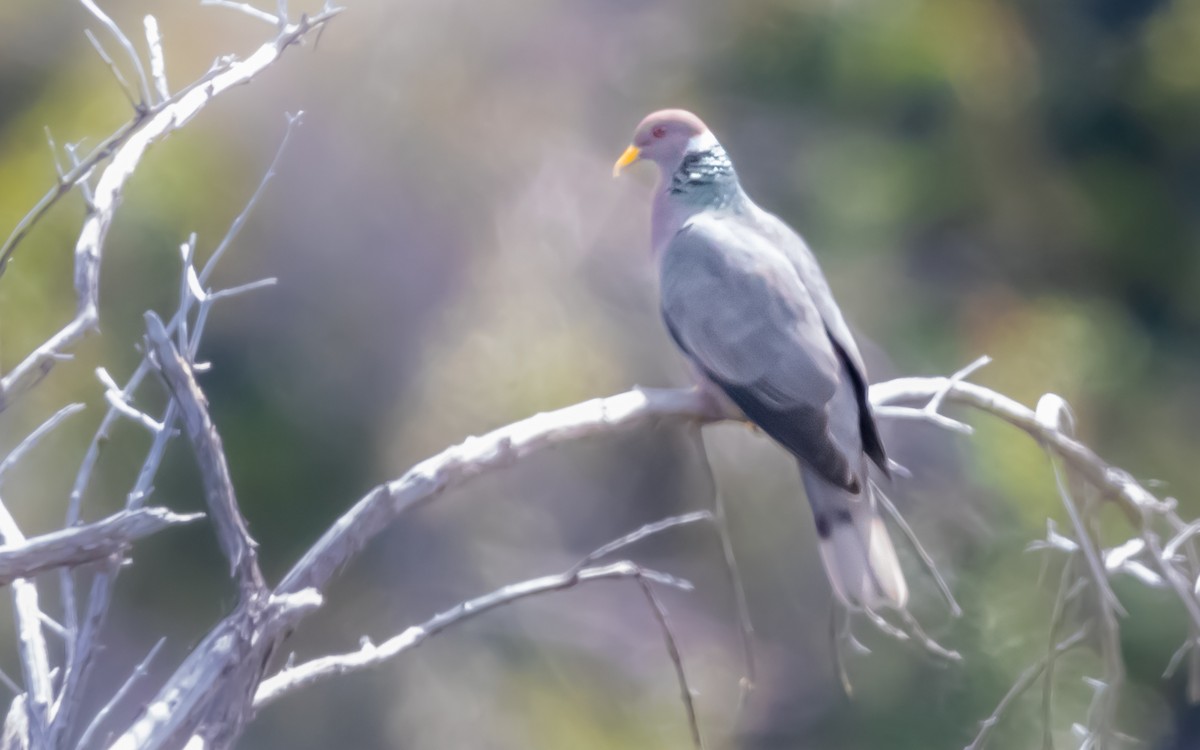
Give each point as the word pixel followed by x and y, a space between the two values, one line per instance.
pixel 737 306
pixel 794 247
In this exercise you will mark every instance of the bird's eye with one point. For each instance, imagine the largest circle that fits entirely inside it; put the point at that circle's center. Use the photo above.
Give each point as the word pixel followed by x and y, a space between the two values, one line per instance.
pixel 658 132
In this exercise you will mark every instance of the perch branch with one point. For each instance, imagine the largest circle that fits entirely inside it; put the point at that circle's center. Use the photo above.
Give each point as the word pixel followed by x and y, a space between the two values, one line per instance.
pixel 200 678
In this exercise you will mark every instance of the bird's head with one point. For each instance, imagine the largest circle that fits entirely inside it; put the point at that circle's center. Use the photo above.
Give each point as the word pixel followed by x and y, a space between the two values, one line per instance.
pixel 665 137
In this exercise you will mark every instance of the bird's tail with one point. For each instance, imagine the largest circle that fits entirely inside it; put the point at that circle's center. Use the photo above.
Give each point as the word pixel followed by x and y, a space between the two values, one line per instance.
pixel 855 547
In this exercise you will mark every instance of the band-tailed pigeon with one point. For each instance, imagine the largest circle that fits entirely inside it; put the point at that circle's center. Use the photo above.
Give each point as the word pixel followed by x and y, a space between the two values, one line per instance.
pixel 744 298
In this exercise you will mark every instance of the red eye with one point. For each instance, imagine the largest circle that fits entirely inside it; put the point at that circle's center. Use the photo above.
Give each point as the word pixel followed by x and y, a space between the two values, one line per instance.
pixel 658 132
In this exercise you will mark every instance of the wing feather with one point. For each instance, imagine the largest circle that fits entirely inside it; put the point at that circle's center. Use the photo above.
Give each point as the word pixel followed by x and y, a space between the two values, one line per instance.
pixel 738 307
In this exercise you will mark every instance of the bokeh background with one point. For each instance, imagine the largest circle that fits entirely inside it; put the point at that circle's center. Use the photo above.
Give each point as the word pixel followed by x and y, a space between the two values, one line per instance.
pixel 1018 178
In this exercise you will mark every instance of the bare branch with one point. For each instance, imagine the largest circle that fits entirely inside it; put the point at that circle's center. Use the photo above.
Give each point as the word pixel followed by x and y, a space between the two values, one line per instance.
pixel 164 120
pixel 1132 497
pixel 236 543
pixel 745 624
pixel 228 661
pixel 31 643
pixel 81 651
pixel 197 684
pixel 34 437
pixel 126 89
pixel 246 8
pixel 1023 683
pixel 478 455
pixel 649 529
pixel 935 403
pixel 139 673
pixel 668 634
pixel 109 24
pixel 58 169
pixel 80 545
pixel 116 399
pixel 926 559
pixel 158 64
pixel 293 121
pixel 370 655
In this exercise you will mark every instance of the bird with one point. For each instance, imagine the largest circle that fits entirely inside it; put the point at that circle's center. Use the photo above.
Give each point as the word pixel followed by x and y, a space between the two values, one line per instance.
pixel 745 300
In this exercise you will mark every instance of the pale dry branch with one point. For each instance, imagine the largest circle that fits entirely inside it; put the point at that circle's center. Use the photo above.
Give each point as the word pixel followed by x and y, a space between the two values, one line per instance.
pixel 246 8
pixel 638 535
pixel 127 45
pixel 130 94
pixel 1053 412
pixel 79 545
pixel 33 438
pixel 669 640
pixel 1023 683
pixel 232 533
pixel 158 63
pixel 139 673
pixel 80 651
pixel 370 655
pixel 31 643
pixel 922 554
pixel 162 121
pixel 206 695
pixel 116 399
pixel 745 624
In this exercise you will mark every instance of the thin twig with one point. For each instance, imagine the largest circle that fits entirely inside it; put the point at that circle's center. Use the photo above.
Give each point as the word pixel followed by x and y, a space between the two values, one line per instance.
pixel 81 651
pixel 1054 413
pixel 246 8
pixel 745 624
pixel 927 641
pixel 126 89
pixel 649 529
pixel 58 168
pixel 109 24
pixel 116 399
pixel 926 559
pixel 158 64
pixel 668 634
pixel 370 655
pixel 31 642
pixel 139 673
pixel 1023 683
pixel 34 437
pixel 935 404
pixel 1066 592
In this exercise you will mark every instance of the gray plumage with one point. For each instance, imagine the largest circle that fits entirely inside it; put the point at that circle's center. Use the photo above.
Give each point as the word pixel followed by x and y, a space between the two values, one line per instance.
pixel 746 301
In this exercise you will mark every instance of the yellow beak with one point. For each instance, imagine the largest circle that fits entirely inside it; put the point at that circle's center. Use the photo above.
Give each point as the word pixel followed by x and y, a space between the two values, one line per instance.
pixel 632 154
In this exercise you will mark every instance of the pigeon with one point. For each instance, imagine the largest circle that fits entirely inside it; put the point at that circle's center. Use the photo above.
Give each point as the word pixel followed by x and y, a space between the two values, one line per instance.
pixel 745 300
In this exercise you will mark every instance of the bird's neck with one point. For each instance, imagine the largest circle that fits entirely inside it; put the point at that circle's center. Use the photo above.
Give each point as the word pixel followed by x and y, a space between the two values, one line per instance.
pixel 704 181
pixel 705 176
